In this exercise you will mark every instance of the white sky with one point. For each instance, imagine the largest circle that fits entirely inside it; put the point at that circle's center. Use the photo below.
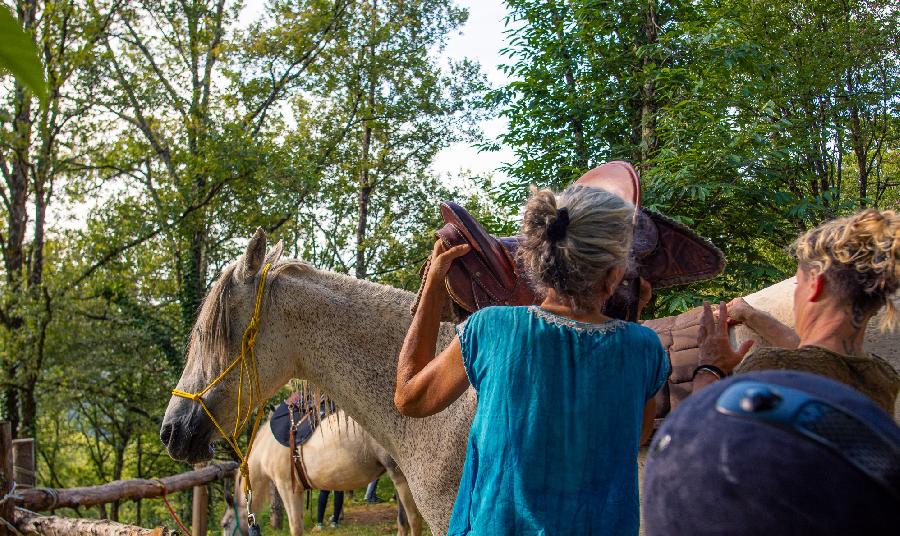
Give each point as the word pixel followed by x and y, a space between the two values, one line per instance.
pixel 481 40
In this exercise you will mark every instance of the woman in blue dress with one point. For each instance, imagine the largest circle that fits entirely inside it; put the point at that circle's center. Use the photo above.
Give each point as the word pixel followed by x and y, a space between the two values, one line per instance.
pixel 565 393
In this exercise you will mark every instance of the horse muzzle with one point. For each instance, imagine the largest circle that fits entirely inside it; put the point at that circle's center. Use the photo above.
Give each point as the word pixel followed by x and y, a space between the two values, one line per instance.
pixel 187 432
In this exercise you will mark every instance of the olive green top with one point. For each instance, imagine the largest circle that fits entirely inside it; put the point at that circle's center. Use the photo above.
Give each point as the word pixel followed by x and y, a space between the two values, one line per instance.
pixel 870 375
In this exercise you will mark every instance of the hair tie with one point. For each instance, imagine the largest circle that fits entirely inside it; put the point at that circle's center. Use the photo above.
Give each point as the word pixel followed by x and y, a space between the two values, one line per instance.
pixel 556 231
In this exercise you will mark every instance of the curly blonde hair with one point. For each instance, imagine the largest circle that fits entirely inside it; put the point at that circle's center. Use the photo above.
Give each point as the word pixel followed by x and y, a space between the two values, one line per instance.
pixel 858 255
pixel 574 259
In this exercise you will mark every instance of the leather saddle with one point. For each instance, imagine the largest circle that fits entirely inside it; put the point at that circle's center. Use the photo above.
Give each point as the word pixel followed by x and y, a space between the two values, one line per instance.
pixel 678 335
pixel 665 253
pixel 293 423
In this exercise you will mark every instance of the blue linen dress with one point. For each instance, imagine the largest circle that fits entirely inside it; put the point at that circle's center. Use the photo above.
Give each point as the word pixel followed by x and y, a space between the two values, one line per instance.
pixel 554 442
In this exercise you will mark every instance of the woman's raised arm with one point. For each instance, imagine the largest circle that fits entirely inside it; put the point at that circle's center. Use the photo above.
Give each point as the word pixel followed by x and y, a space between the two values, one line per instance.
pixel 426 384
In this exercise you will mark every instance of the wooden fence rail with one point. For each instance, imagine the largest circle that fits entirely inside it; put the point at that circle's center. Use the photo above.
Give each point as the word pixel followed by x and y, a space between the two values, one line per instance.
pixel 43 499
pixel 31 524
pixel 17 466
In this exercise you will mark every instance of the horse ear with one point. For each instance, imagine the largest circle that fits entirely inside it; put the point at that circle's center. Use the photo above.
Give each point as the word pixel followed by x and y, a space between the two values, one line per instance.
pixel 253 258
pixel 274 253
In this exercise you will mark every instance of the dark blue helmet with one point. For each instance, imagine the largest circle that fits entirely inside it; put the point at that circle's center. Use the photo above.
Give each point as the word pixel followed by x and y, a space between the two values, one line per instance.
pixel 774 452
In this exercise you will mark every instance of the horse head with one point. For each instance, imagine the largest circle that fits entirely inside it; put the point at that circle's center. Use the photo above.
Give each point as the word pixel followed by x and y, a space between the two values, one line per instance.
pixel 231 523
pixel 231 363
pixel 234 519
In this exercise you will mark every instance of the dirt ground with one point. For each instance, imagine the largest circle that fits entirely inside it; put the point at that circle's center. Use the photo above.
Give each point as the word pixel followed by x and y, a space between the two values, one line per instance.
pixel 370 514
pixel 359 517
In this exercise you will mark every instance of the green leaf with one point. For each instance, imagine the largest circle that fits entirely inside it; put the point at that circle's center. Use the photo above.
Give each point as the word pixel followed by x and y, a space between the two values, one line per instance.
pixel 19 56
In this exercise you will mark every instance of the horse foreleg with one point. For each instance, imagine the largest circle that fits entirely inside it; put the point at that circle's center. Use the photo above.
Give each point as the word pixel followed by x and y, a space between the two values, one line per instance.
pixel 409 520
pixel 293 504
pixel 402 521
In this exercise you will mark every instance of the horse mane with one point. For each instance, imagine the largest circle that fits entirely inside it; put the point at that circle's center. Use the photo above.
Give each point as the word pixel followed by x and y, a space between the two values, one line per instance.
pixel 213 333
pixel 370 290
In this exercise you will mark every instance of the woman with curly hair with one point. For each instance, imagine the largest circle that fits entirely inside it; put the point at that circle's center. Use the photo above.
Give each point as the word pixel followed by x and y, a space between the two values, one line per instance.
pixel 847 272
pixel 565 393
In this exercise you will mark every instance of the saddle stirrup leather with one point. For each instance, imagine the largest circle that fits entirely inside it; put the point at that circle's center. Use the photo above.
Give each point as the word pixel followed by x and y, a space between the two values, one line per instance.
pixel 298 471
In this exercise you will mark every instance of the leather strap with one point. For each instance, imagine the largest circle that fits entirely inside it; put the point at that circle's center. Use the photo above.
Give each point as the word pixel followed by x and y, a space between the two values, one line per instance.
pixel 299 470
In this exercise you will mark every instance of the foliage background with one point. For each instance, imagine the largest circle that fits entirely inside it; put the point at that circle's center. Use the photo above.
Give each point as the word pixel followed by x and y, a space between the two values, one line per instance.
pixel 171 130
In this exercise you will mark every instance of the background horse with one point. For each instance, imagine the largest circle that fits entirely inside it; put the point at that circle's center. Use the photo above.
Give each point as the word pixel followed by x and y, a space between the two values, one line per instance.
pixel 344 335
pixel 340 456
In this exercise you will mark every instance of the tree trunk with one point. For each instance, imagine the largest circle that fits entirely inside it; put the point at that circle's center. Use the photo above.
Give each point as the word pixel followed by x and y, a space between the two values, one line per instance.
pixel 193 284
pixel 28 402
pixel 365 184
pixel 7 473
pixel 839 183
pixel 365 192
pixel 17 182
pixel 648 92
pixel 857 142
pixel 139 454
pixel 582 160
pixel 36 364
pixel 11 399
pixel 118 468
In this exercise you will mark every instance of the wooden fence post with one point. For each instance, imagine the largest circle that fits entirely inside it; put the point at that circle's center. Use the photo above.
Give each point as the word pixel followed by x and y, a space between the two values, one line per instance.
pixel 6 476
pixel 23 463
pixel 200 508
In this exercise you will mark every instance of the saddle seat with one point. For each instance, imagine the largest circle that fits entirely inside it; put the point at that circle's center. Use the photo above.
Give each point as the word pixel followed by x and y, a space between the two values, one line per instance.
pixel 665 252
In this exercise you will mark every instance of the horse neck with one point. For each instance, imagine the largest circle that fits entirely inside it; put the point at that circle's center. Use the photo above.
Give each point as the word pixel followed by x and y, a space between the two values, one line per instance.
pixel 344 335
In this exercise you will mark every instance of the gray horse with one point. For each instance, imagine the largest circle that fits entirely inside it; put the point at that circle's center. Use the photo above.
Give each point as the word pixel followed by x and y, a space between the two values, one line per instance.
pixel 344 334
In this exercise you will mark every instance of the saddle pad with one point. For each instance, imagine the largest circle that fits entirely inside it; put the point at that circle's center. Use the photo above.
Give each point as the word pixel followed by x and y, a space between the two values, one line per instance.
pixel 678 335
pixel 280 424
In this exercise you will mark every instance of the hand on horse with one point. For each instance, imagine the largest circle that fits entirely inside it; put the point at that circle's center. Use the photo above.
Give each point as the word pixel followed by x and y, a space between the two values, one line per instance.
pixel 441 259
pixel 739 311
pixel 712 338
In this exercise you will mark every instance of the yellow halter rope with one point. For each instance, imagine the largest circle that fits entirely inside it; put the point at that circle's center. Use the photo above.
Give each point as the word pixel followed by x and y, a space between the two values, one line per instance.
pixel 247 362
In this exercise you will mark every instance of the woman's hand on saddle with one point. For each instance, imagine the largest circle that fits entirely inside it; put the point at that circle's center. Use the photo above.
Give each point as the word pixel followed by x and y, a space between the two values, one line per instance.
pixel 712 338
pixel 441 259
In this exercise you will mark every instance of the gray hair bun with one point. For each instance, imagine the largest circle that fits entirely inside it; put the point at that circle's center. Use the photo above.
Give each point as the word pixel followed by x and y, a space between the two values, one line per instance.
pixel 569 243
